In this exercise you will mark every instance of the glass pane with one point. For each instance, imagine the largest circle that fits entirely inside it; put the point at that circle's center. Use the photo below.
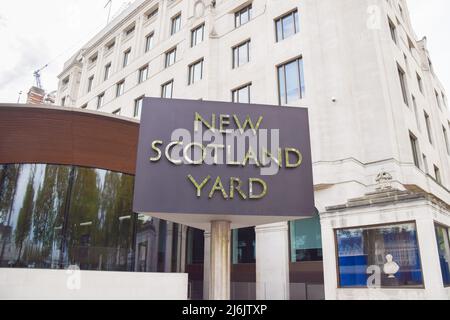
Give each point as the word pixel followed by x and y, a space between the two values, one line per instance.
pixel 393 250
pixel 292 82
pixel 279 27
pixel 306 240
pixel 442 237
pixel 243 245
pixel 32 201
pixel 288 26
pixel 243 54
pixel 244 95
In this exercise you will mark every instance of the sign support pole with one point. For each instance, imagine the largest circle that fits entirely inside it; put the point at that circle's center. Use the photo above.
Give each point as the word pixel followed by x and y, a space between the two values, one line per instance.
pixel 219 285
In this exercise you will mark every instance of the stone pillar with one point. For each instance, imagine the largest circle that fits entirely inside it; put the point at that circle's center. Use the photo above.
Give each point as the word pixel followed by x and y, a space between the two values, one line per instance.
pixel 219 287
pixel 431 268
pixel 168 255
pixel 272 262
pixel 206 267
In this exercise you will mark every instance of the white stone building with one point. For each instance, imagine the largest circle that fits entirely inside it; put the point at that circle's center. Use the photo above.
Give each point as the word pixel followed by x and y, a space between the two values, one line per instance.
pixel 376 107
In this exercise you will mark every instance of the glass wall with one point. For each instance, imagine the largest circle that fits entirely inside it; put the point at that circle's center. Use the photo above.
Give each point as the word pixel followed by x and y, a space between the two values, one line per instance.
pixel 443 236
pixel 243 246
pixel 306 240
pixel 391 252
pixel 56 216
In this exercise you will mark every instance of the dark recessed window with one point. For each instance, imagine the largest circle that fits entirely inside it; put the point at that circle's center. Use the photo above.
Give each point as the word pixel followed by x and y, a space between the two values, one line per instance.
pixel 415 149
pixel 107 71
pixel 443 242
pixel 100 100
pixel 403 84
pixel 90 82
pixel 120 88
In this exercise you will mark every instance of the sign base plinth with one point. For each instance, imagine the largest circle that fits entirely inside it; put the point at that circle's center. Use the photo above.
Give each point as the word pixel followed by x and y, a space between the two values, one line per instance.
pixel 220 260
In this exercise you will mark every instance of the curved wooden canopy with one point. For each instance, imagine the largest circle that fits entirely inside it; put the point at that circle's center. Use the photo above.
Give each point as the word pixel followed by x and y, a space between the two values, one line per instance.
pixel 67 136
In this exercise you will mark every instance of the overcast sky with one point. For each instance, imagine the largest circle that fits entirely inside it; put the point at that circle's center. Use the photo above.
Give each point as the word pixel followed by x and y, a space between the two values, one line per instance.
pixel 36 32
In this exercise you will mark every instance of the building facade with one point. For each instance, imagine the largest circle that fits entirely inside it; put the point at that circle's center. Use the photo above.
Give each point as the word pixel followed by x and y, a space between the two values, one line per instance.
pixel 379 131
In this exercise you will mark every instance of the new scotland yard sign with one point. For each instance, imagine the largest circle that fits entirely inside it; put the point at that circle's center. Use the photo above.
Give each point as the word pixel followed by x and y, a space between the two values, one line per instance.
pixel 199 161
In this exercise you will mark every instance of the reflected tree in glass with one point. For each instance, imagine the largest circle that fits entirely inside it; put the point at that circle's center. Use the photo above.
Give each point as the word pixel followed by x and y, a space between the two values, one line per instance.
pixel 25 218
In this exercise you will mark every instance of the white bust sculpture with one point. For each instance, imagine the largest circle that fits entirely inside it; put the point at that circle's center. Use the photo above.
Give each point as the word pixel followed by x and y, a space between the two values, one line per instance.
pixel 390 267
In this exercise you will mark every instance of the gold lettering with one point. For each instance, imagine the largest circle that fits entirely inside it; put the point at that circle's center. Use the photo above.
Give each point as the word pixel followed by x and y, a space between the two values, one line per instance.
pixel 267 154
pixel 248 123
pixel 263 185
pixel 224 122
pixel 230 161
pixel 287 151
pixel 237 187
pixel 157 150
pixel 210 126
pixel 218 186
pixel 199 187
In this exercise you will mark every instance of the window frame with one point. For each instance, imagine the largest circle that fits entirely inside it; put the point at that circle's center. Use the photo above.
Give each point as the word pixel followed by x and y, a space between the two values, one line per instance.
pixel 191 71
pixel 236 91
pixel 163 89
pixel 296 21
pixel 194 33
pixel 248 9
pixel 374 226
pixel 167 59
pixel 300 78
pixel 235 50
pixel 175 24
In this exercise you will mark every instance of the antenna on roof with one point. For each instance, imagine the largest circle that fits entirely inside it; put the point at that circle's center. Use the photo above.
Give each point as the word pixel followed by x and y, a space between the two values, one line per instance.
pixel 109 3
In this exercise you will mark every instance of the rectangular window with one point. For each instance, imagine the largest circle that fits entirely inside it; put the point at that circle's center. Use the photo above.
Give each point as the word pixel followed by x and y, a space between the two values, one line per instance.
pixel 63 102
pixel 143 74
pixel 437 174
pixel 93 59
pixel 116 112
pixel 428 125
pixel 419 83
pixel 120 88
pixel 65 81
pixel 291 83
pixel 241 54
pixel 393 31
pixel 416 112
pixel 447 146
pixel 167 90
pixel 152 13
pixel 243 246
pixel 425 164
pixel 243 16
pixel 196 72
pixel 130 30
pixel 306 240
pixel 443 242
pixel 393 249
pixel 403 85
pixel 415 149
pixel 110 45
pixel 126 57
pixel 90 82
pixel 287 25
pixel 149 42
pixel 138 107
pixel 438 99
pixel 107 71
pixel 171 57
pixel 100 100
pixel 444 101
pixel 176 24
pixel 242 94
pixel 197 35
